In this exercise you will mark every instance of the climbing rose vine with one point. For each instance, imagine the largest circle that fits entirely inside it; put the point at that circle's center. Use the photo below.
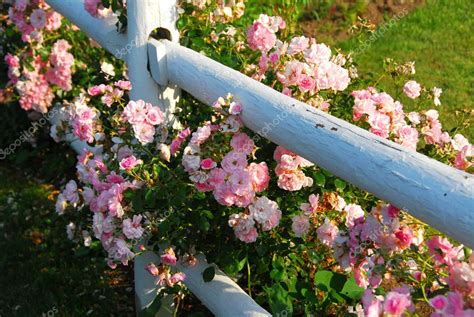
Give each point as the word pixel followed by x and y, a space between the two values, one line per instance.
pixel 301 240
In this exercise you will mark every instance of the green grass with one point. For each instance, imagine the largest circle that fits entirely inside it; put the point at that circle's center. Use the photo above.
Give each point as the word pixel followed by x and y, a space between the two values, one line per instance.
pixel 42 271
pixel 439 37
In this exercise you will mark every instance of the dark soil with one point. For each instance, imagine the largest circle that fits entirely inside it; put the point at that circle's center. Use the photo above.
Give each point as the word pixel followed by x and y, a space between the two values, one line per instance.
pixel 331 25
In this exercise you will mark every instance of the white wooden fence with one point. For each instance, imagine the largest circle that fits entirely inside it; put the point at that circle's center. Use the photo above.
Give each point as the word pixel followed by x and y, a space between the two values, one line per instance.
pixel 429 190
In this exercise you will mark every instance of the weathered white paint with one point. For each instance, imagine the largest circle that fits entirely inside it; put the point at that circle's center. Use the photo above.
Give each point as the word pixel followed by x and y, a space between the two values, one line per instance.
pixel 222 296
pixel 145 286
pixel 157 61
pixel 141 22
pixel 431 191
pixel 103 31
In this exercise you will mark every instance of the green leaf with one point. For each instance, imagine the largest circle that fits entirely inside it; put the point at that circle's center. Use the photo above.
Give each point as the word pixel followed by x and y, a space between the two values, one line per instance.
pixel 327 280
pixel 320 179
pixel 278 274
pixel 204 224
pixel 234 266
pixel 340 184
pixel 208 274
pixel 352 290
pixel 279 300
pixel 208 214
pixel 149 197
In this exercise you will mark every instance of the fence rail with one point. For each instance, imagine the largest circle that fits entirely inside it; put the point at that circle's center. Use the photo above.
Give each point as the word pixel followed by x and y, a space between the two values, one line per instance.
pixel 435 193
pixel 429 190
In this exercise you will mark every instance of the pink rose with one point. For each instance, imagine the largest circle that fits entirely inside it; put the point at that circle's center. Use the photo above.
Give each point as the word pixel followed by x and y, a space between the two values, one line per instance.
pixel 154 116
pixel 124 84
pixel 224 195
pixel 317 54
pixel 412 89
pixel 177 277
pixel 244 228
pixel 442 251
pixel 152 269
pixel 259 176
pixel 234 161
pixel 312 206
pixel 129 163
pixel 216 177
pixel 379 124
pixel 241 142
pixel 132 229
pixel 363 107
pixel 372 304
pixel 169 257
pixel 265 212
pixel 293 181
pixel 53 21
pixel 261 38
pixel 94 7
pixel 38 18
pixel 353 212
pixel 327 233
pixel 298 44
pixel 235 108
pixel 135 112
pixel 404 236
pixel 207 164
pixel 408 137
pixel 201 135
pixel 144 132
pixel 240 182
pixel 300 225
pixel 463 159
pixel 396 303
pixel 306 83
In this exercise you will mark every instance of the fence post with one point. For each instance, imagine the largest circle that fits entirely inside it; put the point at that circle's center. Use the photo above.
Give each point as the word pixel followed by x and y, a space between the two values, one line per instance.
pixel 144 16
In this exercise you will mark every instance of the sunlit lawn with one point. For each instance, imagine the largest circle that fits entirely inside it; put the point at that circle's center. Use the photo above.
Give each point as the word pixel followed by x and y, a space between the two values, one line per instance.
pixel 439 37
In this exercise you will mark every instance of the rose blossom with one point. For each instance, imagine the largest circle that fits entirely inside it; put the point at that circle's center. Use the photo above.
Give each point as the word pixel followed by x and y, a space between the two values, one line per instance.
pixel 176 278
pixel 244 228
pixel 152 269
pixel 265 212
pixel 396 303
pixel 412 89
pixel 132 229
pixel 169 257
pixel 300 225
pixel 327 232
pixel 129 163
pixel 207 164
pixel 259 176
pixel 260 36
pixel 38 18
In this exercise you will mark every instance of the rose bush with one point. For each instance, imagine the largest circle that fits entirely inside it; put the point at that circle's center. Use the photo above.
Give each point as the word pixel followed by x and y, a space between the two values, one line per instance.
pixel 297 238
